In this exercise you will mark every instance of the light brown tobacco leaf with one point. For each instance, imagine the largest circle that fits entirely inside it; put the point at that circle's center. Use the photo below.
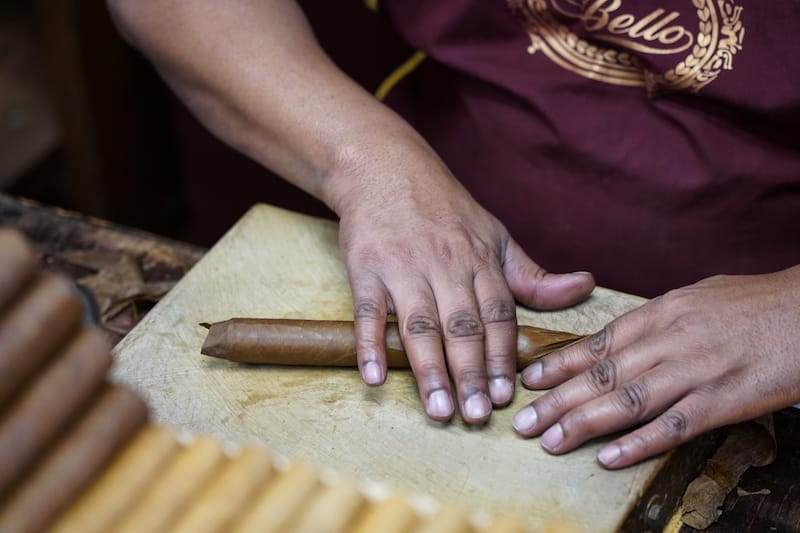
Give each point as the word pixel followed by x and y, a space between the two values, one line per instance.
pixel 119 289
pixel 746 444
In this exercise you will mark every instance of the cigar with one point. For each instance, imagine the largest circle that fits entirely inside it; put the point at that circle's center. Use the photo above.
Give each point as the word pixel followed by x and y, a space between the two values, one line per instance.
pixel 274 508
pixel 333 343
pixel 47 404
pixel 38 323
pixel 122 484
pixel 179 483
pixel 224 496
pixel 18 266
pixel 115 416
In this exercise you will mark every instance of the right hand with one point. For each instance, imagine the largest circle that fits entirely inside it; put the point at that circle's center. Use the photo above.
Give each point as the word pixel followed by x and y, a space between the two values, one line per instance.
pixel 418 246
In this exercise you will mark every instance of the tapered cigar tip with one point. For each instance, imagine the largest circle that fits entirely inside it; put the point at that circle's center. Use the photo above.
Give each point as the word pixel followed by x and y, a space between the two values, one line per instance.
pixel 214 345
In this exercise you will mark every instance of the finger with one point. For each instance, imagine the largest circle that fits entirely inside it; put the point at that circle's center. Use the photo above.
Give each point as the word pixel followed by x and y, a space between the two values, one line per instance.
pixel 609 375
pixel 576 358
pixel 634 402
pixel 691 416
pixel 499 316
pixel 464 343
pixel 370 312
pixel 536 288
pixel 422 339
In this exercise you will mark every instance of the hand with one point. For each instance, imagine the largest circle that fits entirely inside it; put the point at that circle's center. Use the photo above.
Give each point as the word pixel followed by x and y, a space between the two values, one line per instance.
pixel 721 351
pixel 418 246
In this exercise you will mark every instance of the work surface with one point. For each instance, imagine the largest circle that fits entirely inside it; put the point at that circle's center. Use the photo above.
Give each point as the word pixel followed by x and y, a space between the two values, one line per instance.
pixel 770 494
pixel 278 264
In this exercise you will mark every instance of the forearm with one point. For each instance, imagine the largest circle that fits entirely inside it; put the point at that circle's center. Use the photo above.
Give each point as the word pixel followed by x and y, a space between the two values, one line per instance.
pixel 254 74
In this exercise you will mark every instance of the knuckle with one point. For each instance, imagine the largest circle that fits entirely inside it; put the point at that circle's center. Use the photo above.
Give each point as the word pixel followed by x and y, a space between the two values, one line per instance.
pixel 498 310
pixel 674 426
pixel 431 373
pixel 463 324
pixel 367 308
pixel 470 376
pixel 444 252
pixel 684 323
pixel 558 364
pixel 638 444
pixel 485 255
pixel 554 400
pixel 597 346
pixel 602 377
pixel 364 256
pixel 498 360
pixel 632 399
pixel 422 324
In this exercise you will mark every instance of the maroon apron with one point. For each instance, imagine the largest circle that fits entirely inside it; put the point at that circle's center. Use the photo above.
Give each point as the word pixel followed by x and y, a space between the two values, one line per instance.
pixel 652 143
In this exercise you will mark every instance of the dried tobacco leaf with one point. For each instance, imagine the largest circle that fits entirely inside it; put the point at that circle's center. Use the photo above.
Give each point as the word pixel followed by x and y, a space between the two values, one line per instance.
pixel 747 444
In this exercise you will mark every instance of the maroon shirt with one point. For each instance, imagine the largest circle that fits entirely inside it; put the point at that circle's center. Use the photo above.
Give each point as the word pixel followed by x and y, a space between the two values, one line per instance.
pixel 652 143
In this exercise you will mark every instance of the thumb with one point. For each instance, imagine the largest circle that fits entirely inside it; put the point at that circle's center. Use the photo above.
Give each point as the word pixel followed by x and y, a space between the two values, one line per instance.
pixel 536 288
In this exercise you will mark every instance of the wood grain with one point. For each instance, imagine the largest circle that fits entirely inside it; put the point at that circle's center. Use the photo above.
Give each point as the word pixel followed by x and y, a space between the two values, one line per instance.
pixel 274 263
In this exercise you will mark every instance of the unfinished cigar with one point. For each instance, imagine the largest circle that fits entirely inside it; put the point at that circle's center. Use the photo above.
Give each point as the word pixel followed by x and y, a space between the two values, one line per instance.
pixel 333 343
pixel 40 321
pixel 18 266
pixel 115 416
pixel 50 401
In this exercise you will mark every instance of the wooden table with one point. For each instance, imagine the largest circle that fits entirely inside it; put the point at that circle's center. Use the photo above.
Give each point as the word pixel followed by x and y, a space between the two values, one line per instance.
pixel 55 233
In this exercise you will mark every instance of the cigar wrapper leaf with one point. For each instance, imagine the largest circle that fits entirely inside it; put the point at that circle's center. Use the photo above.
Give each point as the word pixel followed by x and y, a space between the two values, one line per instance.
pixel 333 343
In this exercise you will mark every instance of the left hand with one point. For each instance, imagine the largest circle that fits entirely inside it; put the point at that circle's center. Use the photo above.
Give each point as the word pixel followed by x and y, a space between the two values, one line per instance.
pixel 721 351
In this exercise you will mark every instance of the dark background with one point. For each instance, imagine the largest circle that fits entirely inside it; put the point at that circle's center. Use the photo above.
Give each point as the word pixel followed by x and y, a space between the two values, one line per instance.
pixel 87 125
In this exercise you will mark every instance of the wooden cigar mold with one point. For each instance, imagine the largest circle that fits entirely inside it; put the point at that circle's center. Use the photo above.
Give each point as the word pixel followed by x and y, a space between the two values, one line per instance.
pixel 78 454
pixel 333 343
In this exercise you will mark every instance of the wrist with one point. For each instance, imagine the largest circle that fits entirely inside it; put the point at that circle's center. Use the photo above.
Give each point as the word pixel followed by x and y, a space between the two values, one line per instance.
pixel 363 164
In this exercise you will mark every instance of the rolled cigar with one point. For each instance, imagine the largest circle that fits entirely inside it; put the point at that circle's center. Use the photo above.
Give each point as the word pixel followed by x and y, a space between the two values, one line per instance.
pixel 505 524
pixel 39 322
pixel 215 509
pixel 182 479
pixel 18 266
pixel 448 519
pixel 392 515
pixel 123 483
pixel 279 503
pixel 333 510
pixel 77 459
pixel 333 343
pixel 46 405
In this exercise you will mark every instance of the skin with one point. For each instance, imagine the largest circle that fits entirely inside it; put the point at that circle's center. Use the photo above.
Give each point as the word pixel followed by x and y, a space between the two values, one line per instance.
pixel 721 351
pixel 415 243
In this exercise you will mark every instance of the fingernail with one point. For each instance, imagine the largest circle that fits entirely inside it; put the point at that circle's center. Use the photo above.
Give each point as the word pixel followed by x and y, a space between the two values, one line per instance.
pixel 532 374
pixel 477 406
pixel 583 272
pixel 500 390
pixel 552 438
pixel 372 373
pixel 525 419
pixel 609 455
pixel 440 404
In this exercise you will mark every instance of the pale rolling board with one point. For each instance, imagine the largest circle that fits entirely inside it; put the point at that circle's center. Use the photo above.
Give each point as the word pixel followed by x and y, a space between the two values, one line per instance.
pixel 274 263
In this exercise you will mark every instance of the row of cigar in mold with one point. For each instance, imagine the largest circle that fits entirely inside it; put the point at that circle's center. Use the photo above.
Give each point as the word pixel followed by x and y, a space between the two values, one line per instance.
pixel 79 455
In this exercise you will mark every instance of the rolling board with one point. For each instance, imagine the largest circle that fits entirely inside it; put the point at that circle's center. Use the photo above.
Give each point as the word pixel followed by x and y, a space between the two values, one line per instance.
pixel 279 264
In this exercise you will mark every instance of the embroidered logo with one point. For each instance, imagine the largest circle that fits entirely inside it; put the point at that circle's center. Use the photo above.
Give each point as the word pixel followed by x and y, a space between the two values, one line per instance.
pixel 704 51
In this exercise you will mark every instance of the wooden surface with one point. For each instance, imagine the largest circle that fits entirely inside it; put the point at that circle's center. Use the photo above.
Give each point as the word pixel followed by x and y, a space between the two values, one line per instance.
pixel 274 263
pixel 770 500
